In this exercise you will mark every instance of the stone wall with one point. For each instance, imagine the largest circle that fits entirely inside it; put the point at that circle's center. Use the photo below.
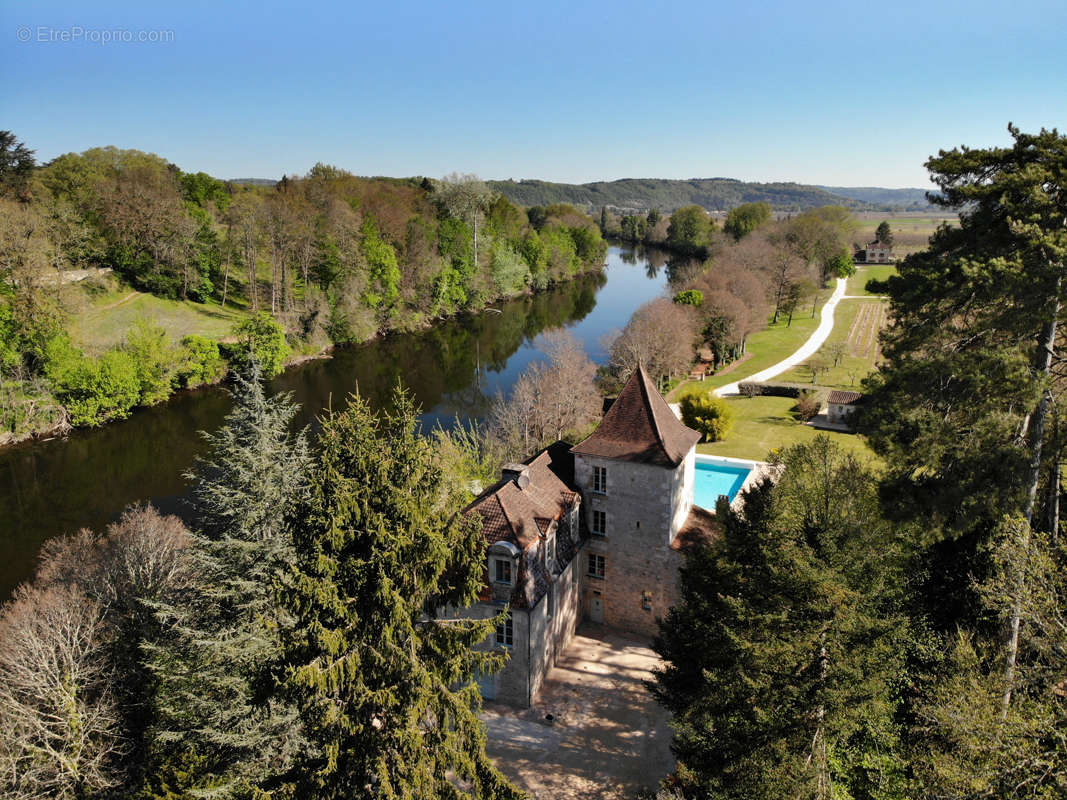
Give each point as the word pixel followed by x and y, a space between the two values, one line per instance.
pixel 553 622
pixel 644 508
pixel 540 636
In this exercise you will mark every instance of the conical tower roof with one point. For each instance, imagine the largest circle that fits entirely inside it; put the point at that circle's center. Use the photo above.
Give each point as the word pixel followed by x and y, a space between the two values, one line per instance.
pixel 640 427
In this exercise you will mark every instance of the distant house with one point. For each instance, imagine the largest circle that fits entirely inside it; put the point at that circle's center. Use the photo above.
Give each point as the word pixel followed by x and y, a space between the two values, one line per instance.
pixel 873 253
pixel 841 406
pixel 595 532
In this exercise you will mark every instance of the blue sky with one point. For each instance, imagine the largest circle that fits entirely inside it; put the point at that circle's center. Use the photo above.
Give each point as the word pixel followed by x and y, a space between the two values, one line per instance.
pixel 840 93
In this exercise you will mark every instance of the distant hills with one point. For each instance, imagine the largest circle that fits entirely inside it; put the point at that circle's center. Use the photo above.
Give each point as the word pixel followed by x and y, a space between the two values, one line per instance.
pixel 888 199
pixel 714 194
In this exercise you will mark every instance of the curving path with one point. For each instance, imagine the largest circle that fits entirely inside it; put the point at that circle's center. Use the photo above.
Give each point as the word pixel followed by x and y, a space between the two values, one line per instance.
pixel 804 352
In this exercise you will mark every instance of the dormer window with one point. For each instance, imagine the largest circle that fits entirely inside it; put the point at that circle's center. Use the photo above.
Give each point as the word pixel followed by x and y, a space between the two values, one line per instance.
pixel 550 553
pixel 503 564
pixel 502 570
pixel 600 480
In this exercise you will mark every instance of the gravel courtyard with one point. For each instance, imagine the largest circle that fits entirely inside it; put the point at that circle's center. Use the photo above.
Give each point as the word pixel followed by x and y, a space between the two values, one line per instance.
pixel 607 739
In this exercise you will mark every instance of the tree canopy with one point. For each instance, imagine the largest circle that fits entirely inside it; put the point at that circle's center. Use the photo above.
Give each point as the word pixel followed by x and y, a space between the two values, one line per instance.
pixel 383 681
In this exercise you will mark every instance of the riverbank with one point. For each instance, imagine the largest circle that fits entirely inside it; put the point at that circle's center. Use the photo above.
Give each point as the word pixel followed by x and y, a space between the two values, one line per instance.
pixel 107 314
pixel 454 368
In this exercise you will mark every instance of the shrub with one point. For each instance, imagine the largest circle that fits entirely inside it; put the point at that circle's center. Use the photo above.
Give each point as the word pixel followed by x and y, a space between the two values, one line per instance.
pixel 200 362
pixel 154 359
pixel 690 297
pixel 752 389
pixel 808 405
pixel 93 390
pixel 260 336
pixel 708 414
pixel 875 286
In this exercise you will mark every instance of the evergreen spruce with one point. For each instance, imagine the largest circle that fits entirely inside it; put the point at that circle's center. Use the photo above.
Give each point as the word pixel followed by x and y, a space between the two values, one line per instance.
pixel 385 684
pixel 214 737
pixel 785 653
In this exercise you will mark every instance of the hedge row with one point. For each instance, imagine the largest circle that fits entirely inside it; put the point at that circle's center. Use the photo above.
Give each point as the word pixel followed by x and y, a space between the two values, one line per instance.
pixel 754 389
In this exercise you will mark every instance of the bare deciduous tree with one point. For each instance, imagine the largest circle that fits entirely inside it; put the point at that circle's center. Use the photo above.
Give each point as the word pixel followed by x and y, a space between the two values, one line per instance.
pixel 549 399
pixel 61 731
pixel 660 336
pixel 142 560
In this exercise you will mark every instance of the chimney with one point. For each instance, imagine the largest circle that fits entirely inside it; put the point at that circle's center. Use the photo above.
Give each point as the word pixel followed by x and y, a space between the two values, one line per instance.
pixel 520 473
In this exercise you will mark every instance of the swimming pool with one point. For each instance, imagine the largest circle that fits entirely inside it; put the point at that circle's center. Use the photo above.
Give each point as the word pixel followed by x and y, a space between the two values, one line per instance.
pixel 714 477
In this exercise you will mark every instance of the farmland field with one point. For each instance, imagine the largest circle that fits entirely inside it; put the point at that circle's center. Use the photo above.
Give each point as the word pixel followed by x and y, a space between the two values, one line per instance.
pixel 910 231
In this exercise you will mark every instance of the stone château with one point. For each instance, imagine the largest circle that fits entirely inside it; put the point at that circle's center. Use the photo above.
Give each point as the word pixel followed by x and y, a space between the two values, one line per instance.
pixel 592 532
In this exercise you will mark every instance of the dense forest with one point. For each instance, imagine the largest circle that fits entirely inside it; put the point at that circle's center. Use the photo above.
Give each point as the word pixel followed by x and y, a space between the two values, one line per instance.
pixel 308 262
pixel 713 194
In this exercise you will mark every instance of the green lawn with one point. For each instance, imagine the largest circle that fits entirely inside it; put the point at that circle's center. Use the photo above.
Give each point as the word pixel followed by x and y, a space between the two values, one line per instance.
pixel 864 273
pixel 768 347
pixel 859 337
pixel 762 424
pixel 109 315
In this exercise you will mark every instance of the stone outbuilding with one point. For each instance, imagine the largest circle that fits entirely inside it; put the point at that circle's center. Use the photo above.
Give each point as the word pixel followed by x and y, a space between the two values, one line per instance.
pixel 841 406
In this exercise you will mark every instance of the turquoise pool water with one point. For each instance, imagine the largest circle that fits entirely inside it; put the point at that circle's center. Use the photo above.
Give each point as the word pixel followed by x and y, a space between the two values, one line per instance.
pixel 712 480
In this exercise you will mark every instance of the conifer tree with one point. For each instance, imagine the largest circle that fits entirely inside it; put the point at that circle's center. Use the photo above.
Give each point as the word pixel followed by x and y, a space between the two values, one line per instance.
pixel 783 655
pixel 884 234
pixel 964 409
pixel 216 737
pixel 969 743
pixel 383 682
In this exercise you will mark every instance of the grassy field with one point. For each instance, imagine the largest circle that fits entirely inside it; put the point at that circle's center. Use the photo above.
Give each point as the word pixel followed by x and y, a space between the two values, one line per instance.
pixel 910 231
pixel 107 315
pixel 768 347
pixel 856 327
pixel 864 273
pixel 762 424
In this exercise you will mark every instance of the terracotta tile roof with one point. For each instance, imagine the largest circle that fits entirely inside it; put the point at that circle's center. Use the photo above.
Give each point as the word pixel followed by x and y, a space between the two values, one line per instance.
pixel 640 427
pixel 700 526
pixel 839 397
pixel 523 516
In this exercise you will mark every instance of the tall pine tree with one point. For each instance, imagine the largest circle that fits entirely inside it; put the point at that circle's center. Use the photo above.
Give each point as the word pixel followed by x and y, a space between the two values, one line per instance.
pixel 384 684
pixel 784 656
pixel 215 737
pixel 965 412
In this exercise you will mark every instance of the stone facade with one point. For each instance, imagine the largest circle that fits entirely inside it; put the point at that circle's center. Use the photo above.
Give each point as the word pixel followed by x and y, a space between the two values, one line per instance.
pixel 644 507
pixel 874 253
pixel 539 635
pixel 532 524
pixel 593 532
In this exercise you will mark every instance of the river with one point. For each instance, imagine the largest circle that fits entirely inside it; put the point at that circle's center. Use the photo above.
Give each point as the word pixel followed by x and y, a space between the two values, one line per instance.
pixel 455 369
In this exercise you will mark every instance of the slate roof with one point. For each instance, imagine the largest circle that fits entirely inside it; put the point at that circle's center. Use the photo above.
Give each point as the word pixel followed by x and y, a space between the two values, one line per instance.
pixel 640 427
pixel 843 398
pixel 523 516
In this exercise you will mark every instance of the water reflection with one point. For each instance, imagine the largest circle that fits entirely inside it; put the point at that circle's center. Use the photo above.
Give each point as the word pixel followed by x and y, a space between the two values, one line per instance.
pixel 454 370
